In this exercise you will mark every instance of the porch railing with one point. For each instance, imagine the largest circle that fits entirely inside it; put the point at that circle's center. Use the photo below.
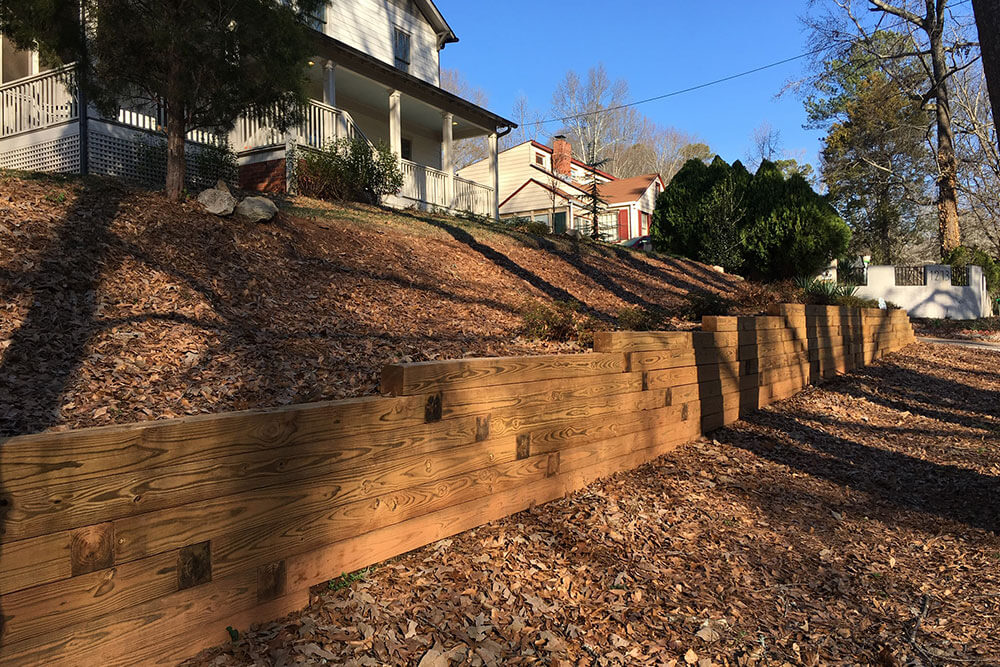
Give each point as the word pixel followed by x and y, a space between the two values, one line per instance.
pixel 430 185
pixel 37 102
pixel 473 197
pixel 321 125
pixel 50 99
pixel 425 184
pixel 153 118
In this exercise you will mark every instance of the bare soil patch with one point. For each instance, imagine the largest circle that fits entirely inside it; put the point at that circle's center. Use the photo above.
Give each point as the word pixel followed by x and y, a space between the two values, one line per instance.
pixel 856 523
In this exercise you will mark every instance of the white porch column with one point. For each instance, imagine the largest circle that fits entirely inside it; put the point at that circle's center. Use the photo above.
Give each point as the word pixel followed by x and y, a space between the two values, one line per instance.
pixel 448 156
pixel 335 129
pixel 395 125
pixel 495 175
pixel 330 83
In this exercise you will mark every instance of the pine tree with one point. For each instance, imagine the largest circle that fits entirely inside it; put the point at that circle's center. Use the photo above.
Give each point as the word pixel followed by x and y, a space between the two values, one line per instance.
pixel 204 63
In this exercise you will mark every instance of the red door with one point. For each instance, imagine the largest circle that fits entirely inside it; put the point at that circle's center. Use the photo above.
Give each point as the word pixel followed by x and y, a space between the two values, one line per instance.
pixel 622 224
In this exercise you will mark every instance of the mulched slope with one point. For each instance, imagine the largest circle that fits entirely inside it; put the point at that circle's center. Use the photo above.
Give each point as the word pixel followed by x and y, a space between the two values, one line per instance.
pixel 856 523
pixel 119 307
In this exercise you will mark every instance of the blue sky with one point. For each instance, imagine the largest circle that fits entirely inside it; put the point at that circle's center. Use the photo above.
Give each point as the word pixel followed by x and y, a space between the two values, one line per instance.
pixel 522 46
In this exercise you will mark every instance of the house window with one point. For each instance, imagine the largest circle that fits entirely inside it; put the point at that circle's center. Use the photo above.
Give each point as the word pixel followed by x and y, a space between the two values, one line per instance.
pixel 539 159
pixel 401 49
pixel 607 225
pixel 406 149
pixel 542 218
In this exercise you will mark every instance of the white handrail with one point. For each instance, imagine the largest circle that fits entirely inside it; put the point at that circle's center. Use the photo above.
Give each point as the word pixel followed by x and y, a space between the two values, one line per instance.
pixel 39 101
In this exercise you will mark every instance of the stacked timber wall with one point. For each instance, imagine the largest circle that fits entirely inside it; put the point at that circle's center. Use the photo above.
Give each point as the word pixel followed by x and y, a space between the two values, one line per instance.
pixel 141 544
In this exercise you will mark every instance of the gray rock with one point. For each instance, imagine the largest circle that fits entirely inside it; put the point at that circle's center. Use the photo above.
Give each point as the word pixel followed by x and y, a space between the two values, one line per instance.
pixel 221 185
pixel 217 202
pixel 257 209
pixel 575 234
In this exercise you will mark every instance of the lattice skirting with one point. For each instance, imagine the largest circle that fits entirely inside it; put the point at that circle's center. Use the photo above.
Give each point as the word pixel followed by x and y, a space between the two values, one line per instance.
pixel 133 155
pixel 140 157
pixel 59 155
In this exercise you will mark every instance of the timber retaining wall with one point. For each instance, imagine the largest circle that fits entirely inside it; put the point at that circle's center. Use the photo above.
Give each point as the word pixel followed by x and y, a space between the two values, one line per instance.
pixel 143 543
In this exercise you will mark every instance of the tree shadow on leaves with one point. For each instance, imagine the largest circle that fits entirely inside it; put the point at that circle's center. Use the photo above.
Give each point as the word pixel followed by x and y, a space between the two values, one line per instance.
pixel 51 342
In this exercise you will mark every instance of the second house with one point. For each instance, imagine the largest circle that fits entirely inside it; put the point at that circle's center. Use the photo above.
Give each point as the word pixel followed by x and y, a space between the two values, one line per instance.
pixel 547 185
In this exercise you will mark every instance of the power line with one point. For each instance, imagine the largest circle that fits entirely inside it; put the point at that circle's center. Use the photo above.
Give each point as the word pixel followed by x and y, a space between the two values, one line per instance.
pixel 686 90
pixel 715 82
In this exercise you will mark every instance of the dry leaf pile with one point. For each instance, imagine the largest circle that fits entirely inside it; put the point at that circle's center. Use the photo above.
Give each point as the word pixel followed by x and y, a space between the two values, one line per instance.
pixel 854 524
pixel 117 306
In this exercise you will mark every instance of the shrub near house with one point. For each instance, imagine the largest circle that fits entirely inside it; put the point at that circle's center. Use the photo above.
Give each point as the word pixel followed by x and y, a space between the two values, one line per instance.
pixel 764 225
pixel 350 170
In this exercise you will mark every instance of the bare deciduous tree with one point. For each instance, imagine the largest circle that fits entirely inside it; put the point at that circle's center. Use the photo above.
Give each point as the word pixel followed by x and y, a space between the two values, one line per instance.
pixel 978 160
pixel 528 121
pixel 660 150
pixel 466 151
pixel 929 31
pixel 765 144
pixel 594 115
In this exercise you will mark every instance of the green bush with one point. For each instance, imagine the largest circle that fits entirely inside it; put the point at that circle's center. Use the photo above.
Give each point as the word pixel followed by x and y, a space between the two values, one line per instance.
pixel 699 213
pixel 700 304
pixel 829 293
pixel 560 321
pixel 764 225
pixel 790 230
pixel 637 318
pixel 528 226
pixel 824 292
pixel 963 256
pixel 350 170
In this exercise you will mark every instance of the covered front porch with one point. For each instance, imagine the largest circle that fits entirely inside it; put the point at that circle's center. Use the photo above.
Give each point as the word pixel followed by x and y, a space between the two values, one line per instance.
pixel 356 96
pixel 42 127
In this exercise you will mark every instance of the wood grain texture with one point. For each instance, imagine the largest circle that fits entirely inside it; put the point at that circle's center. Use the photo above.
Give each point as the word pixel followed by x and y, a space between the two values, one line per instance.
pixel 646 341
pixel 427 376
pixel 177 529
pixel 47 458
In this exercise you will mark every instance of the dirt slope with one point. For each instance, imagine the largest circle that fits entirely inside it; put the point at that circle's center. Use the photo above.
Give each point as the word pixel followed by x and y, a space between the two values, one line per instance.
pixel 118 306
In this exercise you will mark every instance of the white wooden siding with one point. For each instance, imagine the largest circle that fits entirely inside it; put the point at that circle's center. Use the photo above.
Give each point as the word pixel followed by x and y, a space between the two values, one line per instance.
pixel 532 197
pixel 369 26
pixel 647 202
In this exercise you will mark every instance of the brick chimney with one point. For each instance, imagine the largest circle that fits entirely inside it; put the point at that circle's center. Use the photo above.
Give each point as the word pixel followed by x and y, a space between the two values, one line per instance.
pixel 562 156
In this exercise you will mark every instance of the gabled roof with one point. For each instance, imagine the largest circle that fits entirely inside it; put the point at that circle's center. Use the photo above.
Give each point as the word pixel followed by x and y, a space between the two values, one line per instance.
pixel 565 195
pixel 627 189
pixel 560 181
pixel 444 32
pixel 547 149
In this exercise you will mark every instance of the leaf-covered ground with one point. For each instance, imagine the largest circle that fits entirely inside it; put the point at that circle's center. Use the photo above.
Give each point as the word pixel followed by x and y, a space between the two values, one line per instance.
pixel 117 306
pixel 856 524
pixel 986 329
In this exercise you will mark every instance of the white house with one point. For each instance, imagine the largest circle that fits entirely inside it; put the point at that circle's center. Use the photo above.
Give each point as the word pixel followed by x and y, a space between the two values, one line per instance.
pixel 375 74
pixel 546 184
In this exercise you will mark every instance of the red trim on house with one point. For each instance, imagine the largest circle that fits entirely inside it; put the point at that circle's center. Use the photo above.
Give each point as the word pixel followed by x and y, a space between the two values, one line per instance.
pixel 624 222
pixel 557 191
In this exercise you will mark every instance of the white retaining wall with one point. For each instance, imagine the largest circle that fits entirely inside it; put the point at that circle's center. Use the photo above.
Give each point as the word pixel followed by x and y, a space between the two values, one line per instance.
pixel 936 298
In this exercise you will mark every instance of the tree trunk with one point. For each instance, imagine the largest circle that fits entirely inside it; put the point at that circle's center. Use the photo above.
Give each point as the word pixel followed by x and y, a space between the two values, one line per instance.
pixel 988 23
pixel 947 203
pixel 175 156
pixel 176 130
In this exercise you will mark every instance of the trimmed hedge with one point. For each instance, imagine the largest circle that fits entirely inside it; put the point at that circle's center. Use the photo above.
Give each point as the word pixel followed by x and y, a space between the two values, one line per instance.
pixel 762 225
